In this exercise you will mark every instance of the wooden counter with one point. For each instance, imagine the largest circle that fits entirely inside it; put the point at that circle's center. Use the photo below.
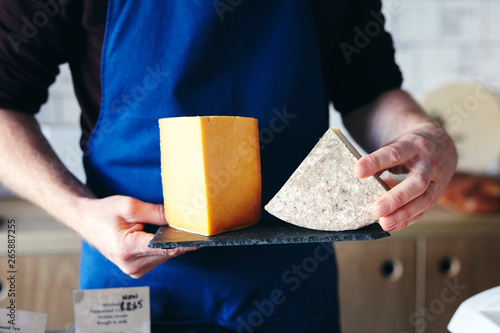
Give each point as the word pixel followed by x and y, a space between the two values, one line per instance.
pixel 36 231
pixel 415 280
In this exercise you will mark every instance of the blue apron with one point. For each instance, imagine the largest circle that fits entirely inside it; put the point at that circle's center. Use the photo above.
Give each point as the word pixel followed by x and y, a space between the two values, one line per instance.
pixel 186 58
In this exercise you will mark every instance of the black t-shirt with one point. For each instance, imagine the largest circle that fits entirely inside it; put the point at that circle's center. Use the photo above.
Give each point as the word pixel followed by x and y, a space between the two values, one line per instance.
pixel 37 36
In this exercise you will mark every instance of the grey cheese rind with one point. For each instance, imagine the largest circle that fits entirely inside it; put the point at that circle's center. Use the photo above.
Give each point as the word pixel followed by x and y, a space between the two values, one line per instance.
pixel 324 193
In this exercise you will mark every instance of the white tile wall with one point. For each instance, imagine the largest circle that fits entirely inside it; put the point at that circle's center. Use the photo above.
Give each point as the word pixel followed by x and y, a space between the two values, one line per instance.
pixel 439 41
pixel 60 122
pixel 62 107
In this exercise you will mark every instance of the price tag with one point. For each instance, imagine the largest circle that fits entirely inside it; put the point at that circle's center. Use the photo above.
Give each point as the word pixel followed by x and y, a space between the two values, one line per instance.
pixel 117 310
pixel 13 320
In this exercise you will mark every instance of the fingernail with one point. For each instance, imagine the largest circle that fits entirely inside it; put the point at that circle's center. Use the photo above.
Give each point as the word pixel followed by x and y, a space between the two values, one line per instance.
pixel 382 208
pixel 359 169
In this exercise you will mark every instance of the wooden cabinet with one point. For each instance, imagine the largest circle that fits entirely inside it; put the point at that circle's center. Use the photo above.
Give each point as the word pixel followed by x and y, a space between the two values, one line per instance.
pixel 47 263
pixel 377 281
pixel 415 280
pixel 455 270
pixel 44 284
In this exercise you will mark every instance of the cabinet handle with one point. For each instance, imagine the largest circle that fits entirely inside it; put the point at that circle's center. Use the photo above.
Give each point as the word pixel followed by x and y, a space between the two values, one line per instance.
pixel 391 269
pixel 448 266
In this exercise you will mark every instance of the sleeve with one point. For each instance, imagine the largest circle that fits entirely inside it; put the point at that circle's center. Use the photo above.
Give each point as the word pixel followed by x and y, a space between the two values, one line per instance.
pixel 361 65
pixel 34 37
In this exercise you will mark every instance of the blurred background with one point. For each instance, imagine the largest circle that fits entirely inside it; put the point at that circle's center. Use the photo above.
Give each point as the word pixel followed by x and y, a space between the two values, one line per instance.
pixel 449 52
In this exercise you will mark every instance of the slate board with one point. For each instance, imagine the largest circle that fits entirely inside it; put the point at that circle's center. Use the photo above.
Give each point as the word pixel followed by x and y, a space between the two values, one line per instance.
pixel 264 232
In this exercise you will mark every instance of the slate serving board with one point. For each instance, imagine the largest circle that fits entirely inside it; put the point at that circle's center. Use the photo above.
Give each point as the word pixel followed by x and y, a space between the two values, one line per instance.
pixel 264 232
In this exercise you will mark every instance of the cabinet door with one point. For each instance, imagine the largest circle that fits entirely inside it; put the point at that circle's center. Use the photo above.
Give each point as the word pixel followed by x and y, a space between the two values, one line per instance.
pixel 376 285
pixel 45 284
pixel 455 270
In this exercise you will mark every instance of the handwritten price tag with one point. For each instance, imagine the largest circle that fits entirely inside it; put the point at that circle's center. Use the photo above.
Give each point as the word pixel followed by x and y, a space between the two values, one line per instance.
pixel 18 321
pixel 118 310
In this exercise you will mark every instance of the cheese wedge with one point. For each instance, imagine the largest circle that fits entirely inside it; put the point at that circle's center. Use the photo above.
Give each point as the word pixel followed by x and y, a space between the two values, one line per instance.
pixel 210 173
pixel 324 193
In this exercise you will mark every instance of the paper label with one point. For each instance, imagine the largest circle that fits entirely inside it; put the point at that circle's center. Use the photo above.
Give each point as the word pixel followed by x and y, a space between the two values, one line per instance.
pixel 18 321
pixel 117 310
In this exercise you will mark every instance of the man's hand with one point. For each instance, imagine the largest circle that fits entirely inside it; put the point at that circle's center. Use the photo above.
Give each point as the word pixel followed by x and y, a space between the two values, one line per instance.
pixel 114 225
pixel 404 140
pixel 426 153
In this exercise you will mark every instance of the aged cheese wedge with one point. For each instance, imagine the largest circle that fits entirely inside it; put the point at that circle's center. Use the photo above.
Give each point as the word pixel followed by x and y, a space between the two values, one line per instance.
pixel 210 173
pixel 324 193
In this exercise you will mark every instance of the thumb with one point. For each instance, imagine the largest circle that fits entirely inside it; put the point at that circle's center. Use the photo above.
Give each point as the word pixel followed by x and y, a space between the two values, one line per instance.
pixel 137 211
pixel 139 242
pixel 141 247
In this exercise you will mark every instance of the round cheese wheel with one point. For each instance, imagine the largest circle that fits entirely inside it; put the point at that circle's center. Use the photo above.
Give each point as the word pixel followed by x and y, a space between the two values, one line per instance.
pixel 470 113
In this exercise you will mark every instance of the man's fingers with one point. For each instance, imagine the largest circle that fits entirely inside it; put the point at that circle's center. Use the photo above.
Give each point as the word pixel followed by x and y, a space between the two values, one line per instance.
pixel 390 156
pixel 404 224
pixel 170 253
pixel 412 187
pixel 398 219
pixel 138 258
pixel 137 211
pixel 411 212
pixel 399 170
pixel 142 265
pixel 137 245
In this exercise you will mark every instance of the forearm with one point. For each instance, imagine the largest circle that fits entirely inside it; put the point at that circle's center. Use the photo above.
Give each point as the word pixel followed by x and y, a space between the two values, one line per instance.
pixel 114 225
pixel 31 169
pixel 380 122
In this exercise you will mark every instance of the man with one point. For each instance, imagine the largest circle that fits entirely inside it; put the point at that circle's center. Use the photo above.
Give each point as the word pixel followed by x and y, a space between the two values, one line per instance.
pixel 278 61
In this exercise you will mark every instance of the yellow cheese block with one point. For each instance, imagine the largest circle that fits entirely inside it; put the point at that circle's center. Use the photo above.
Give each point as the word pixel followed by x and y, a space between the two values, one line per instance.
pixel 210 173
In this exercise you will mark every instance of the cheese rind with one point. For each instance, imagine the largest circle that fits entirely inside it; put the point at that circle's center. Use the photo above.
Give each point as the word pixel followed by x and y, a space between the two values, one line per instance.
pixel 324 193
pixel 210 173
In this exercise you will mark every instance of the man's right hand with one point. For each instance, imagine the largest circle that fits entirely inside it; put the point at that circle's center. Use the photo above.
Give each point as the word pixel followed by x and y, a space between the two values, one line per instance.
pixel 114 225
